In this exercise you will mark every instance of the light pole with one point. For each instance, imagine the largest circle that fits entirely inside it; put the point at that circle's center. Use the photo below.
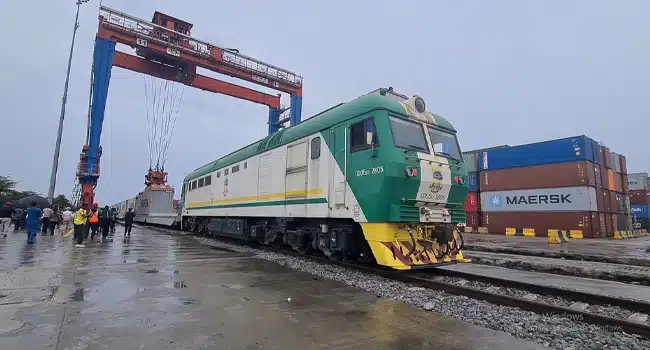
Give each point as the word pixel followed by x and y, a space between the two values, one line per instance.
pixel 57 149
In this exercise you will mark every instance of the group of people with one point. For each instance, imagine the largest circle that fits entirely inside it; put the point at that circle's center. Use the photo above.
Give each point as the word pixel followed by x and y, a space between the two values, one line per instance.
pixel 84 222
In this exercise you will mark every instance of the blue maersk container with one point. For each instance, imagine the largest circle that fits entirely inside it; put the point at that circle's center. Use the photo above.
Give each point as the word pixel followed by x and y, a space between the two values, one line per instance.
pixel 569 149
pixel 640 211
pixel 472 181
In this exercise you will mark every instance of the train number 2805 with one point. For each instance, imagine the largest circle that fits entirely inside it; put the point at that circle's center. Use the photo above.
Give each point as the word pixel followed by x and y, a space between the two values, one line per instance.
pixel 371 171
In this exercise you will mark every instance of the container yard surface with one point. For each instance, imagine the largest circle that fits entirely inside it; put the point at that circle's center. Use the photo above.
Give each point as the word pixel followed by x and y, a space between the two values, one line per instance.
pixel 631 250
pixel 157 291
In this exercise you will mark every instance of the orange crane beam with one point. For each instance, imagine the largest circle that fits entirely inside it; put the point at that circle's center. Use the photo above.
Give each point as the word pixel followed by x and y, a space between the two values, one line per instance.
pixel 160 41
pixel 141 65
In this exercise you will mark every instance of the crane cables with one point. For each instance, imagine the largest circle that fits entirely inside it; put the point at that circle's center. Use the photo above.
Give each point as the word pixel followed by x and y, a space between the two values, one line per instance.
pixel 163 99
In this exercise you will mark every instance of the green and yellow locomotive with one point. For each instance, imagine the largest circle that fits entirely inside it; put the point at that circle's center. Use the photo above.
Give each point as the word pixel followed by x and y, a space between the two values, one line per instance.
pixel 377 178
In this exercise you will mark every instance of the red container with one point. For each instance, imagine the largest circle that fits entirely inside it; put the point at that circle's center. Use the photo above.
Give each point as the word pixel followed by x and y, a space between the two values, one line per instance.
pixel 609 226
pixel 615 205
pixel 618 182
pixel 599 178
pixel 623 165
pixel 606 157
pixel 602 223
pixel 471 202
pixel 603 177
pixel 639 197
pixel 607 201
pixel 600 200
pixel 539 176
pixel 541 222
pixel 472 219
pixel 626 188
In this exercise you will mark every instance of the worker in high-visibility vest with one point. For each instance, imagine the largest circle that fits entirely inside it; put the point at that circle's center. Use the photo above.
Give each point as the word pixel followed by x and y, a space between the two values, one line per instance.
pixel 93 221
pixel 79 221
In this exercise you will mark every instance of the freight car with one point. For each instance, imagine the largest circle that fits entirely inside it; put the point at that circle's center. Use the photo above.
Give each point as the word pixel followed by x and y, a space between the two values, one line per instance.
pixel 154 205
pixel 377 178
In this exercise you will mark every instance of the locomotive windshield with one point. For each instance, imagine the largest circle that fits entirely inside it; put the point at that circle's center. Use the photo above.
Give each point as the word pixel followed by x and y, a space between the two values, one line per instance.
pixel 408 135
pixel 444 144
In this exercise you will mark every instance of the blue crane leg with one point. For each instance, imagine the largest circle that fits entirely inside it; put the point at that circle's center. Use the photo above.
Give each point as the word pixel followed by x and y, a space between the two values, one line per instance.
pixel 296 110
pixel 103 62
pixel 274 118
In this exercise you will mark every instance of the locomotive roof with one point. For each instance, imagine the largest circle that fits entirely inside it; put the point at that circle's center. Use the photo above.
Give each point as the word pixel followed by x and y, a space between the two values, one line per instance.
pixel 320 121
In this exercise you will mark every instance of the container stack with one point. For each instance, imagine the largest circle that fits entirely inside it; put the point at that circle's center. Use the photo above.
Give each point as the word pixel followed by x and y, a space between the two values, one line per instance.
pixel 639 186
pixel 472 203
pixel 565 184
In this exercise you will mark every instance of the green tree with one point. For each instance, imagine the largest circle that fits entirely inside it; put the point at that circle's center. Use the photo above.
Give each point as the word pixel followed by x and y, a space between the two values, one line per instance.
pixel 7 186
pixel 61 201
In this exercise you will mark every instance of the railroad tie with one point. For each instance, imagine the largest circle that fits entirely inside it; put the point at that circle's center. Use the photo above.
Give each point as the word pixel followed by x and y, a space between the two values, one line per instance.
pixel 559 236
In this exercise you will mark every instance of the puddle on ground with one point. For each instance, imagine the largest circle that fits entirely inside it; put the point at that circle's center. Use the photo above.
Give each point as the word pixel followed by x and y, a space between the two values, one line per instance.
pixel 188 301
pixel 152 271
pixel 142 260
pixel 233 286
pixel 223 249
pixel 180 284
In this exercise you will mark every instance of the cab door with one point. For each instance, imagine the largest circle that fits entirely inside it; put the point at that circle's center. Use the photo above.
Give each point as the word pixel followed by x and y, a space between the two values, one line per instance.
pixel 338 168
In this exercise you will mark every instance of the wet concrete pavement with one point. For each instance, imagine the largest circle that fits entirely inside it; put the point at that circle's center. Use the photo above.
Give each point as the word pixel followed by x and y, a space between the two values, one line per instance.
pixel 157 291
pixel 631 250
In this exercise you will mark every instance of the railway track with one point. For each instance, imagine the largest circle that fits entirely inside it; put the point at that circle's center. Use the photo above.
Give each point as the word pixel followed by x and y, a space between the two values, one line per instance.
pixel 572 314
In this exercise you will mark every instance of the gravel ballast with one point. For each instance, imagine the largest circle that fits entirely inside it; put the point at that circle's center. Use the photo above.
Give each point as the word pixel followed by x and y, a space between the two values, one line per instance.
pixel 551 331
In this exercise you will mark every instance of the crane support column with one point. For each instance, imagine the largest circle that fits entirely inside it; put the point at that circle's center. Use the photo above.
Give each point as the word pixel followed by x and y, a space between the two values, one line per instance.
pixel 295 114
pixel 88 171
pixel 274 120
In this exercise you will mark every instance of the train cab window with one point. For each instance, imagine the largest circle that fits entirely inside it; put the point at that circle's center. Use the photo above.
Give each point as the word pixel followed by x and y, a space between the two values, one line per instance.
pixel 315 148
pixel 208 180
pixel 225 172
pixel 408 135
pixel 235 169
pixel 201 182
pixel 363 135
pixel 194 185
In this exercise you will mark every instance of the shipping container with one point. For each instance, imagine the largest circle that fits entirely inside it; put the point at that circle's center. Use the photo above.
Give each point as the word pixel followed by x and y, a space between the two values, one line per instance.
pixel 610 180
pixel 616 162
pixel 615 206
pixel 623 165
pixel 598 159
pixel 607 201
pixel 598 176
pixel 626 189
pixel 154 202
pixel 600 200
pixel 603 177
pixel 472 219
pixel 556 151
pixel 623 223
pixel 641 224
pixel 618 182
pixel 609 225
pixel 607 157
pixel 541 222
pixel 539 176
pixel 640 211
pixel 540 200
pixel 639 197
pixel 637 181
pixel 471 161
pixel 472 182
pixel 471 202
pixel 602 226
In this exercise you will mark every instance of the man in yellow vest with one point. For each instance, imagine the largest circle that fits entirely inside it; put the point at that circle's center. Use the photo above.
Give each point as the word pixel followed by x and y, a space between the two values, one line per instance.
pixel 79 222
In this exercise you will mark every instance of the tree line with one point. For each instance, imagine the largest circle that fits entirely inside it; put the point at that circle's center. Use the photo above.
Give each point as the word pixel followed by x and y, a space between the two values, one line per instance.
pixel 8 193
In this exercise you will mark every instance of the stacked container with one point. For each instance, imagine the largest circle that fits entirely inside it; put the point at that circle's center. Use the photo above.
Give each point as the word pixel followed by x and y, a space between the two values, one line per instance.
pixel 472 204
pixel 564 184
pixel 639 197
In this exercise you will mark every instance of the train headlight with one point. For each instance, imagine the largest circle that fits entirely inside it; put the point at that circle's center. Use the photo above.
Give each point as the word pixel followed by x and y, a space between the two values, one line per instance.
pixel 411 172
pixel 420 106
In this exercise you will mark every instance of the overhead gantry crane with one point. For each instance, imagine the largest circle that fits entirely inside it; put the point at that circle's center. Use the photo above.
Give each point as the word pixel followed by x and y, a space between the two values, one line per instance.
pixel 165 49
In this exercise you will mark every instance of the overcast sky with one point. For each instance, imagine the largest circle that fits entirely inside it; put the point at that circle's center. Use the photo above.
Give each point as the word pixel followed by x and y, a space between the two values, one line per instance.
pixel 501 71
